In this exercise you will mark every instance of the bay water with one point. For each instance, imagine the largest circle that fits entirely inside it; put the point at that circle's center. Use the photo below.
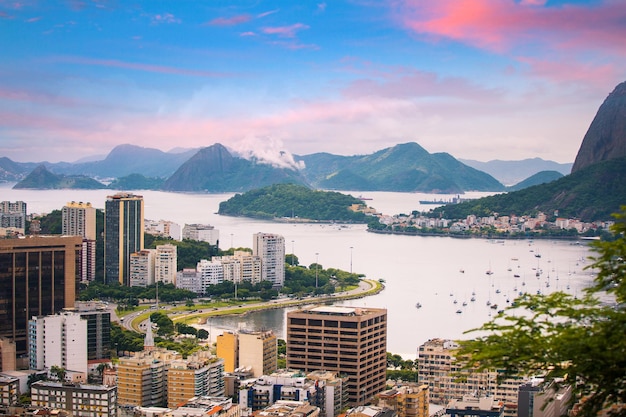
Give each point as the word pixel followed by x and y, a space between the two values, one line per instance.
pixel 440 273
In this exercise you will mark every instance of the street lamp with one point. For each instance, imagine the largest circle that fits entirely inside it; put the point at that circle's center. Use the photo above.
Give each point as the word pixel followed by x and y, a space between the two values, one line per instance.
pixel 316 263
pixel 351 258
pixel 231 240
pixel 292 252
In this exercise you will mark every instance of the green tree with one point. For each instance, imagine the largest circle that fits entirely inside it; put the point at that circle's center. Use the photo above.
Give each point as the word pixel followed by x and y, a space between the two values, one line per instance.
pixel 203 334
pixel 577 340
pixel 59 372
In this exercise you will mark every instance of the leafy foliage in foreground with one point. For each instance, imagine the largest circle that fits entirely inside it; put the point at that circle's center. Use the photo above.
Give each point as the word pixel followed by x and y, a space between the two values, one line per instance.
pixel 292 200
pixel 558 336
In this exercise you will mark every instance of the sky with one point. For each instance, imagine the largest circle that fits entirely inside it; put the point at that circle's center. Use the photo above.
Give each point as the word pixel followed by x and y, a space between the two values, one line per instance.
pixel 478 79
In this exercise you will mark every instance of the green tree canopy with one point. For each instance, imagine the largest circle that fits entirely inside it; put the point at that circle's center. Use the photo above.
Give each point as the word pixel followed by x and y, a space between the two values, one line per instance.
pixel 580 341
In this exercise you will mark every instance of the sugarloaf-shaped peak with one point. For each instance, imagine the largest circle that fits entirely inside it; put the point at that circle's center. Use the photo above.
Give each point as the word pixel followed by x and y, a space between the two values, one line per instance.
pixel 606 137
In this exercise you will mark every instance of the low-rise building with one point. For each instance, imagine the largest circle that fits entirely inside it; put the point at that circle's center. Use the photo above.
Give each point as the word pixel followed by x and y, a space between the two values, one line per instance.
pixel 77 399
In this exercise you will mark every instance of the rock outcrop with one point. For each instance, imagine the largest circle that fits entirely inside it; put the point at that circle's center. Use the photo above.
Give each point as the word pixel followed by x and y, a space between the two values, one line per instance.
pixel 606 137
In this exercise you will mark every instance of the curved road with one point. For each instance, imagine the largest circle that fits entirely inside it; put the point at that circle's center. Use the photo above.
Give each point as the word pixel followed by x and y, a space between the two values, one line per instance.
pixel 364 287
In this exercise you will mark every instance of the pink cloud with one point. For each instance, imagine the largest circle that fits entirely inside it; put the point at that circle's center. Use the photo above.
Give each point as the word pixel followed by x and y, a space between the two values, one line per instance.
pixel 260 15
pixel 139 67
pixel 4 15
pixel 13 95
pixel 285 31
pixel 230 21
pixel 502 25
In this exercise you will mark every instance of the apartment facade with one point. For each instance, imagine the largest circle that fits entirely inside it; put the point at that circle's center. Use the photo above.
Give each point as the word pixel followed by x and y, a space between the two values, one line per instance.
pixel 409 400
pixel 201 374
pixel 37 278
pixel 13 216
pixel 270 248
pixel 59 340
pixel 259 351
pixel 202 233
pixel 351 341
pixel 123 235
pixel 165 261
pixel 228 349
pixel 142 268
pixel 83 400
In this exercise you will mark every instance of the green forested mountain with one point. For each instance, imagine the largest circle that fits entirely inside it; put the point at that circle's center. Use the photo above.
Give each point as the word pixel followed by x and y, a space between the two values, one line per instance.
pixel 406 168
pixel 590 194
pixel 41 178
pixel 539 178
pixel 136 182
pixel 293 201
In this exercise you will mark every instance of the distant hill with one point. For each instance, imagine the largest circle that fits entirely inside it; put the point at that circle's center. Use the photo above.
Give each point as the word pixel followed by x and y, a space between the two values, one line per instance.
pixel 125 160
pixel 405 168
pixel 593 193
pixel 293 201
pixel 215 169
pixel 136 182
pixel 539 178
pixel 14 171
pixel 42 179
pixel 512 172
pixel 606 137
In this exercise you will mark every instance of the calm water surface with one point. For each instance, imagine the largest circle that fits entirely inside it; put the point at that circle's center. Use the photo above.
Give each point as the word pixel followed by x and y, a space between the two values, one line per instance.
pixel 432 271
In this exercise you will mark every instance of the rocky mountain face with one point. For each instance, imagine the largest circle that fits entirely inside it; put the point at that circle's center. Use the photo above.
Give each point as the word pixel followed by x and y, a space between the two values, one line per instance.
pixel 606 137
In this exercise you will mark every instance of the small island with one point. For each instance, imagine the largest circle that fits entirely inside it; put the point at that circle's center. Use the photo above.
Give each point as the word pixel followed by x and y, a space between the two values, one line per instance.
pixel 293 202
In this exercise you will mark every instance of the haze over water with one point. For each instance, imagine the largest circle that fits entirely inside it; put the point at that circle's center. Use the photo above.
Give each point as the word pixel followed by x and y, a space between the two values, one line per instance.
pixel 415 269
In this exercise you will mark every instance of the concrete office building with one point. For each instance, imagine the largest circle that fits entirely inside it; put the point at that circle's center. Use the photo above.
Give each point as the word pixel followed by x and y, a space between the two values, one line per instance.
pixel 79 219
pixel 37 278
pixel 254 351
pixel 227 348
pixel 189 279
pixel 270 248
pixel 165 260
pixel 123 235
pixel 7 354
pixel 351 341
pixel 59 340
pixel 83 400
pixel 98 317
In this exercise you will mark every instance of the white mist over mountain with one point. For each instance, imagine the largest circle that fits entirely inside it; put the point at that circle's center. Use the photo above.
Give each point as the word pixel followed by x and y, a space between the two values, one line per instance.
pixel 266 151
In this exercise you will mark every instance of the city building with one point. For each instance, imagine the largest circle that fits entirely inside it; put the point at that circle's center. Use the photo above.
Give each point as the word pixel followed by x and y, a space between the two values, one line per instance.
pixel 7 354
pixel 271 249
pixel 164 228
pixel 59 340
pixel 439 369
pixel 9 390
pixel 142 269
pixel 98 317
pixel 202 233
pixel 241 266
pixel 319 388
pixel 227 348
pixel 539 400
pixel 37 278
pixel 79 219
pixel 83 400
pixel 142 378
pixel 189 279
pixel 475 406
pixel 13 217
pixel 351 341
pixel 165 260
pixel 207 406
pixel 201 374
pixel 258 351
pixel 211 273
pixel 123 235
pixel 409 400
pixel 286 408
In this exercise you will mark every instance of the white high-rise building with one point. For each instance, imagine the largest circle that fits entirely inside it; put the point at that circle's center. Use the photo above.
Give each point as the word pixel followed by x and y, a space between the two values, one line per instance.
pixel 142 268
pixel 211 273
pixel 79 219
pixel 59 340
pixel 242 266
pixel 165 264
pixel 270 248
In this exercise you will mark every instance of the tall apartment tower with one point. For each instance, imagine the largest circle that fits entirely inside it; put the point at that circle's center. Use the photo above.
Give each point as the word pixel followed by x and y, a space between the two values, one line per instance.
pixel 37 278
pixel 59 340
pixel 13 215
pixel 351 341
pixel 123 235
pixel 200 375
pixel 259 351
pixel 79 219
pixel 271 249
pixel 165 264
pixel 142 268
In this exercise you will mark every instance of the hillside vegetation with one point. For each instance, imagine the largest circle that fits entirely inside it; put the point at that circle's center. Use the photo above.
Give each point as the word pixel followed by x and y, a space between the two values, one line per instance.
pixel 295 202
pixel 593 193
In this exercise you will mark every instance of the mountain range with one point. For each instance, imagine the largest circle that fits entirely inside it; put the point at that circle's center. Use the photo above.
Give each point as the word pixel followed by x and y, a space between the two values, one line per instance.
pixel 405 167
